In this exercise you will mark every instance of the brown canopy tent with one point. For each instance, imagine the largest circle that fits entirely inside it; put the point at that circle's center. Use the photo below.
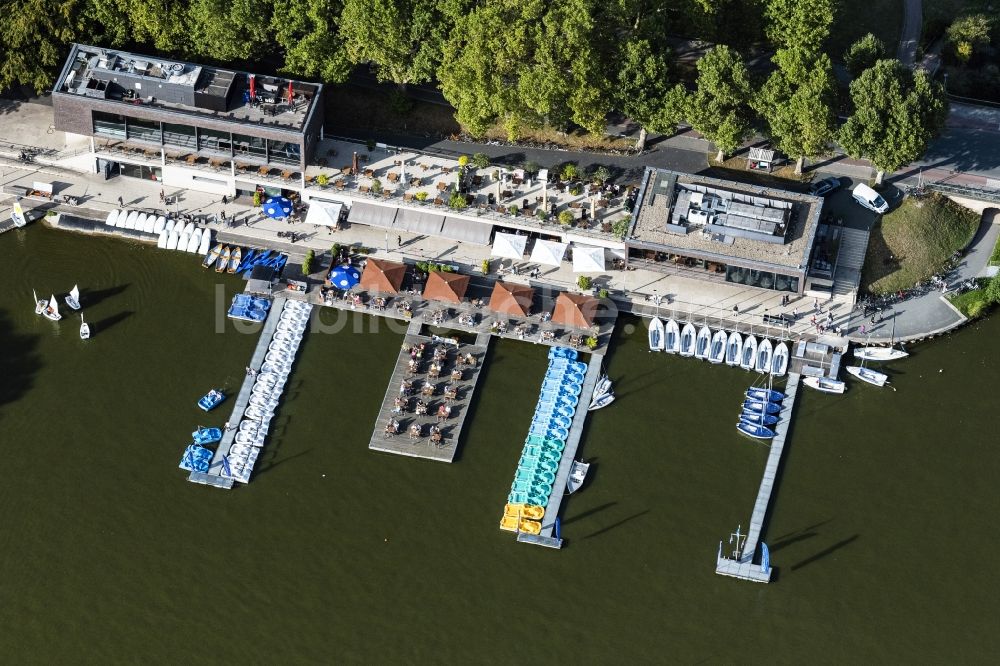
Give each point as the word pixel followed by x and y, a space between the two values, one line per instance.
pixel 511 299
pixel 575 310
pixel 381 276
pixel 443 286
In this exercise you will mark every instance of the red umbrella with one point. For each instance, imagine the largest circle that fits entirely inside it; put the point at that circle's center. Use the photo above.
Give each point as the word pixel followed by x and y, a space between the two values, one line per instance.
pixel 253 87
pixel 290 92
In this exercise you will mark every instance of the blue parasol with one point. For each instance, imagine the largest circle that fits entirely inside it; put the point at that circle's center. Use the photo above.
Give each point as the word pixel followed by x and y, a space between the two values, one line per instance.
pixel 277 207
pixel 344 277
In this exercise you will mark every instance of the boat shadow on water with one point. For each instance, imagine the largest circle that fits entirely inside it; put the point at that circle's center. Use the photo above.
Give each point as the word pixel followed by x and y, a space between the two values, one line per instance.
pixel 617 524
pixel 91 297
pixel 19 361
pixel 109 322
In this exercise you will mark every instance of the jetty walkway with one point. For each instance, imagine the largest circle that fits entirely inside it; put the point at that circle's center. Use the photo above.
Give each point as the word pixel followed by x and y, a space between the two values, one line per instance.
pixel 419 444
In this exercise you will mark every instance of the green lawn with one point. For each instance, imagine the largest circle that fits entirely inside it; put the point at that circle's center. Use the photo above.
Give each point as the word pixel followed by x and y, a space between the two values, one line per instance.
pixel 973 303
pixel 912 242
pixel 856 18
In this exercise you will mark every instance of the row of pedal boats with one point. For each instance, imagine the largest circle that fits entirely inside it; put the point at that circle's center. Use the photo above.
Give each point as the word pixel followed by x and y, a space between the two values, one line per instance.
pixel 719 347
pixel 267 388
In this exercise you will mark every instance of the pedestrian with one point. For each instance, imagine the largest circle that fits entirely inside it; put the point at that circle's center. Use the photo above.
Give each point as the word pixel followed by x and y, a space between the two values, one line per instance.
pixel 816 304
pixel 872 320
pixel 121 204
pixel 399 241
pixel 246 222
pixel 223 214
pixel 736 309
pixel 163 197
pixel 862 329
pixel 839 331
pixel 829 318
pixel 225 200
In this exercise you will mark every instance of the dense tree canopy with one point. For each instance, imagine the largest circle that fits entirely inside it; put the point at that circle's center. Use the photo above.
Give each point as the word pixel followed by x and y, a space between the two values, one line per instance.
pixel 33 39
pixel 719 108
pixel 896 113
pixel 863 53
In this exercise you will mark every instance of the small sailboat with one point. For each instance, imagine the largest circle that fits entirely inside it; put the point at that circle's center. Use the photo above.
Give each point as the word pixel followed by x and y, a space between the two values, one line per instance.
pixel 234 260
pixel 577 474
pixel 40 303
pixel 703 343
pixel 764 351
pixel 748 356
pixel 51 311
pixel 223 261
pixel 733 349
pixel 602 401
pixel 161 240
pixel 758 417
pixel 84 329
pixel 825 384
pixel 656 342
pixel 882 353
pixel 194 242
pixel 755 430
pixel 206 241
pixel 873 377
pixel 672 337
pixel 172 239
pixel 769 395
pixel 603 386
pixel 687 340
pixel 112 218
pixel 717 353
pixel 73 298
pixel 159 224
pixel 761 407
pixel 212 256
pixel 779 360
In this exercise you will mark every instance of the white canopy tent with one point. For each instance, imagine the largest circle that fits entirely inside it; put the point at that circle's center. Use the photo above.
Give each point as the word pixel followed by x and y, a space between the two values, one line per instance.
pixel 548 253
pixel 509 246
pixel 588 259
pixel 323 214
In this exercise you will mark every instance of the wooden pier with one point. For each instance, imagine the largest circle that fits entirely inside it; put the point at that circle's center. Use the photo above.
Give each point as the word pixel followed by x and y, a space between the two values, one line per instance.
pixel 743 567
pixel 403 442
pixel 545 537
pixel 214 476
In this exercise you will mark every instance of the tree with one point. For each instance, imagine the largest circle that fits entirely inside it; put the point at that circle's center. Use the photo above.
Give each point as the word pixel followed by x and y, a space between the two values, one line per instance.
pixel 229 29
pixel 799 24
pixel 970 34
pixel 402 38
pixel 798 107
pixel 896 113
pixel 33 40
pixel 164 24
pixel 863 53
pixel 641 90
pixel 480 160
pixel 719 107
pixel 307 262
pixel 307 32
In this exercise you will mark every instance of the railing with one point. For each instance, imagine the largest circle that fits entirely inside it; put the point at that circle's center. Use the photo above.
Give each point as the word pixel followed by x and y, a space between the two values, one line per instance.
pixel 964 190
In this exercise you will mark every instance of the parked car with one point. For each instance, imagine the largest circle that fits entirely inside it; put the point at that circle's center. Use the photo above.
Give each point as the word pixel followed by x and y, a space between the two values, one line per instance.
pixel 869 198
pixel 824 187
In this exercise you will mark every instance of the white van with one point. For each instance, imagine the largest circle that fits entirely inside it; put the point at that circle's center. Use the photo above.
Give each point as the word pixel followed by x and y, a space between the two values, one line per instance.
pixel 869 198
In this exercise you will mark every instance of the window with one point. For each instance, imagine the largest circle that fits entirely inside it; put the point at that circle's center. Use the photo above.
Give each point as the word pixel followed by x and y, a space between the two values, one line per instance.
pixel 140 171
pixel 249 146
pixel 179 135
pixel 280 152
pixel 144 130
pixel 109 124
pixel 214 141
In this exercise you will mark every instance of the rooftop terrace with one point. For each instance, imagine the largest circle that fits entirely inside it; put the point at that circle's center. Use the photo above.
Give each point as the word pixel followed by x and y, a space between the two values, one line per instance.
pixel 689 213
pixel 133 79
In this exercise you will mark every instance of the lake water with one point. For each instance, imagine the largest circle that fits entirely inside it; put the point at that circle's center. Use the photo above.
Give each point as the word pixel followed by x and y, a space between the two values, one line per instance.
pixel 881 527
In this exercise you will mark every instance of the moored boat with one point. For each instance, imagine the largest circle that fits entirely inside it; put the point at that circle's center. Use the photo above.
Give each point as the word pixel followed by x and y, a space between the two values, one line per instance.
pixel 172 239
pixel 159 224
pixel 779 360
pixel 194 242
pixel 825 384
pixel 769 395
pixel 755 430
pixel 84 329
pixel 73 297
pixel 879 353
pixel 211 400
pixel 761 407
pixel 703 343
pixel 758 417
pixel 717 351
pixel 51 310
pixel 873 377
pixel 161 240
pixel 234 260
pixel 748 355
pixel 733 348
pixel 656 342
pixel 112 218
pixel 601 401
pixel 212 256
pixel 764 356
pixel 203 436
pixel 206 241
pixel 688 336
pixel 577 475
pixel 223 261
pixel 671 337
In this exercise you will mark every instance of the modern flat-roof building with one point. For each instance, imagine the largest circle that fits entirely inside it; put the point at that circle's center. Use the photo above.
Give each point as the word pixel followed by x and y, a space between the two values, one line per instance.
pixel 744 234
pixel 187 125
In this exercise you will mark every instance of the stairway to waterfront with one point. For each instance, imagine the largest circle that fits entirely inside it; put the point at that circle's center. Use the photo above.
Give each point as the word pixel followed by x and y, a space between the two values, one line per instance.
pixel 850 259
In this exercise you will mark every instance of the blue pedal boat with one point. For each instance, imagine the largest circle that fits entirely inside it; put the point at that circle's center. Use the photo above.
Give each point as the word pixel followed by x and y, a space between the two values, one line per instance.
pixel 204 436
pixel 211 400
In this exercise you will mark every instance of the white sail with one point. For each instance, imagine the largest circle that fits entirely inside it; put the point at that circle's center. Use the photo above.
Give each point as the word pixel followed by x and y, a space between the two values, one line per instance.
pixel 53 304
pixel 74 293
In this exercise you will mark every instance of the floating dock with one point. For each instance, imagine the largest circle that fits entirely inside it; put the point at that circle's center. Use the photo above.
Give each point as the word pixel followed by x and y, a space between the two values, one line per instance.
pixel 545 537
pixel 451 429
pixel 219 473
pixel 743 567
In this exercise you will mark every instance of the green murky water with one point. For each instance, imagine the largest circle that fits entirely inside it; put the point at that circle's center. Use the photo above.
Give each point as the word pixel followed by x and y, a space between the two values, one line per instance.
pixel 882 532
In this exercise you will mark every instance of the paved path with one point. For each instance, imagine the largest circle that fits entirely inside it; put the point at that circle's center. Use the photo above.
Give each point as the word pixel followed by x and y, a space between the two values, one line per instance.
pixel 909 36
